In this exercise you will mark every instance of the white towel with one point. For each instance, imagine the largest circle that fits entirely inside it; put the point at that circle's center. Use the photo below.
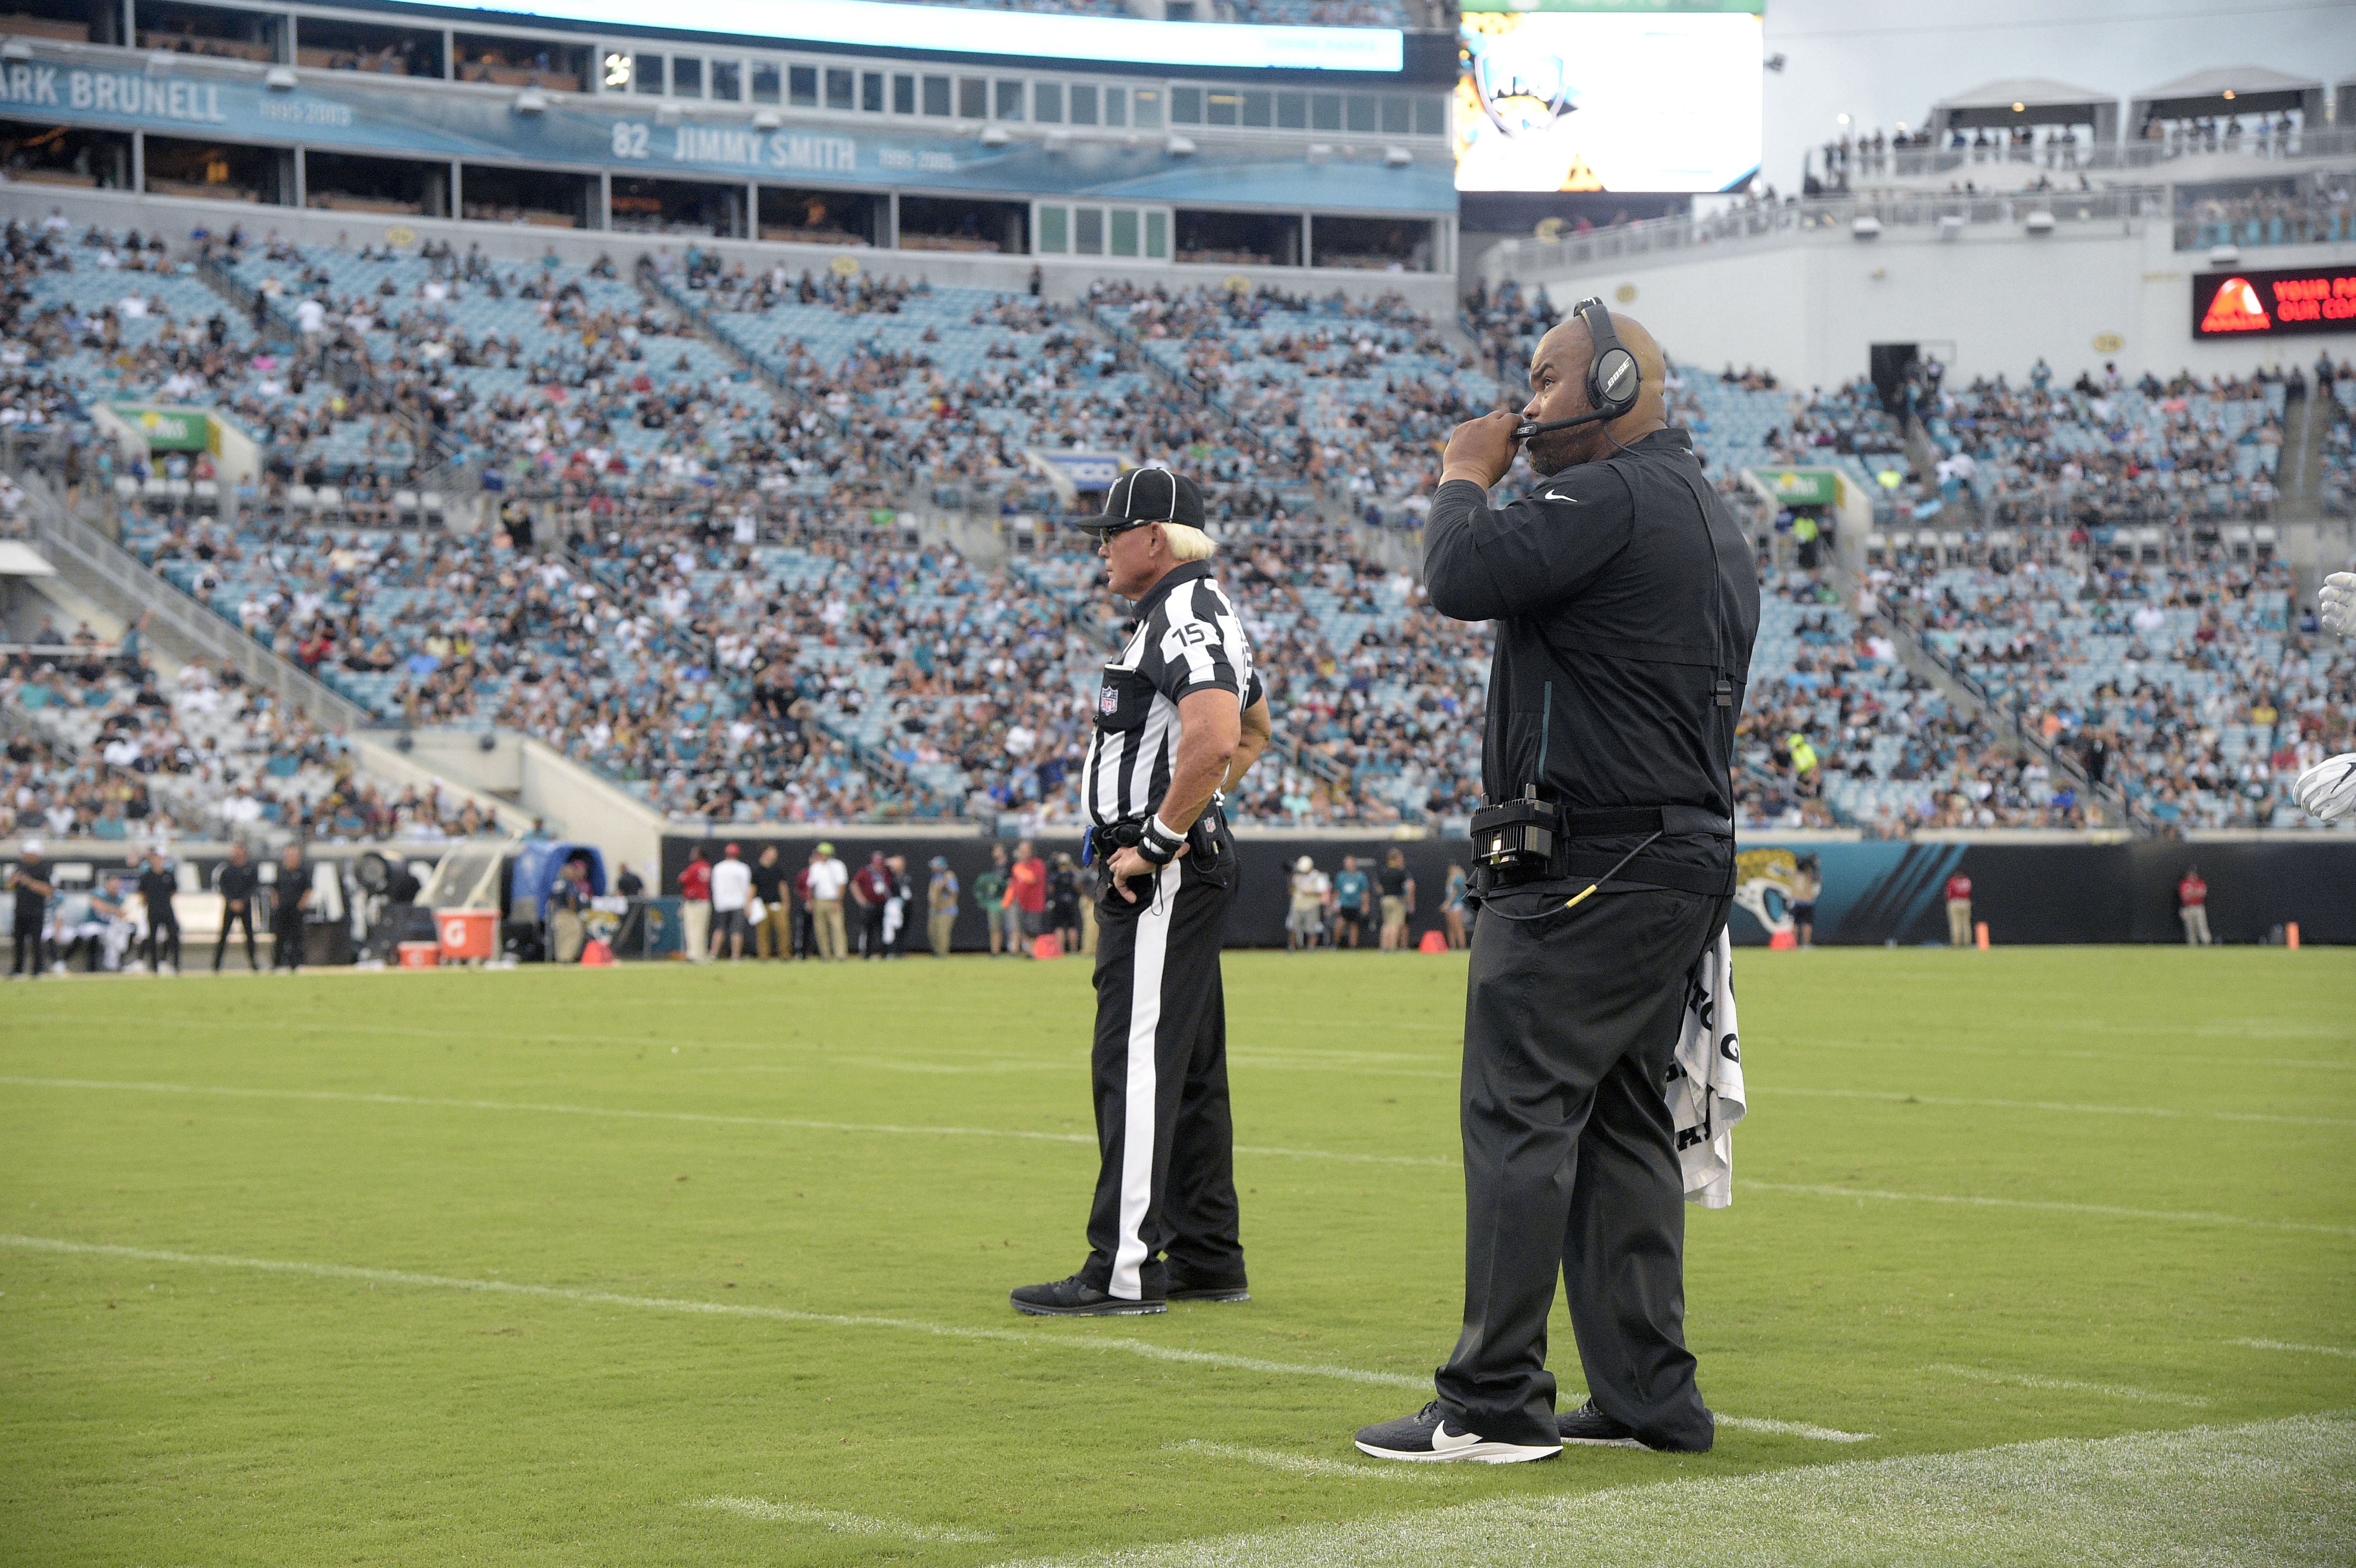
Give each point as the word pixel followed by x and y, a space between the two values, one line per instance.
pixel 1705 1083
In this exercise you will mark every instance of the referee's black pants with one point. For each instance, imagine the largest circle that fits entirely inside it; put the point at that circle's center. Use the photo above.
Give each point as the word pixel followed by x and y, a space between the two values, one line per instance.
pixel 1570 1162
pixel 1167 1185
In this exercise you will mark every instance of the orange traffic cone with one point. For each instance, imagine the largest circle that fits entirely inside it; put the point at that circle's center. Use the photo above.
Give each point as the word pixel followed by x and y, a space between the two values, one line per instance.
pixel 1980 936
pixel 1783 938
pixel 1047 946
pixel 1433 941
pixel 598 954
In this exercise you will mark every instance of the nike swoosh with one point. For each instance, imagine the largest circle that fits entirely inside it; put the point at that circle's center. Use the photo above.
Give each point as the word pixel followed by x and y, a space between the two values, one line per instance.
pixel 1445 1442
pixel 1572 500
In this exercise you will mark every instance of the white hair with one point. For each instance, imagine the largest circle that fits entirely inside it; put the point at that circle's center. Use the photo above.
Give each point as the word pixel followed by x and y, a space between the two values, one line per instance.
pixel 1187 543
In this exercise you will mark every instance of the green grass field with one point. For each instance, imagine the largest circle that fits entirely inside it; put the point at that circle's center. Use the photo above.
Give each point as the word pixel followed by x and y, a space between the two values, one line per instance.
pixel 2036 1255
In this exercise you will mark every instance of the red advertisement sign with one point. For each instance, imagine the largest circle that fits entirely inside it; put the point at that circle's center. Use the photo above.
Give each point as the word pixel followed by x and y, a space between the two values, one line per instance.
pixel 2274 303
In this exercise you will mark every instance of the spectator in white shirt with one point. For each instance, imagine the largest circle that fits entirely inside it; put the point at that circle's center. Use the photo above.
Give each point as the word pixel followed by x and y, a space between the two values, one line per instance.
pixel 732 889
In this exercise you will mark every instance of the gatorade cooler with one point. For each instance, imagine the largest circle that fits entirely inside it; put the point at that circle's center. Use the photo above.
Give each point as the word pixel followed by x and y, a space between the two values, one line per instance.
pixel 467 933
pixel 421 955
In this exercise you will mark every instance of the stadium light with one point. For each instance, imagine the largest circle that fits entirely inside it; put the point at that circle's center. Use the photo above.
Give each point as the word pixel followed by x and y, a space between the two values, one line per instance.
pixel 617 69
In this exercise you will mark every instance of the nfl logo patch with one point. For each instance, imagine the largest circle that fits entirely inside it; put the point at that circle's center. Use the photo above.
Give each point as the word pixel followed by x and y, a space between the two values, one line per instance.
pixel 1108 700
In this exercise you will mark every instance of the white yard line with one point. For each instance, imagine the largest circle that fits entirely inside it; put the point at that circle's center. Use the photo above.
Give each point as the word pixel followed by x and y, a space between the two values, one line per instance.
pixel 1793 1429
pixel 2105 1211
pixel 2302 1349
pixel 768 1512
pixel 1902 1097
pixel 1059 1343
pixel 1303 1464
pixel 707 1118
pixel 2066 1385
pixel 2271 1493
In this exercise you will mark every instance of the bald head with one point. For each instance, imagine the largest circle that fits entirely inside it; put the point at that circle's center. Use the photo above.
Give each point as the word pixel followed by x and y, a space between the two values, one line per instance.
pixel 1558 390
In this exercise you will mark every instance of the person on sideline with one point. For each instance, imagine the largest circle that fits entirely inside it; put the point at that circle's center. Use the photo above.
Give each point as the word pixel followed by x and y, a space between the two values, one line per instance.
pixel 1398 893
pixel 1353 895
pixel 695 909
pixel 1452 908
pixel 32 883
pixel 772 934
pixel 940 905
pixel 1027 895
pixel 828 877
pixel 731 894
pixel 238 883
pixel 290 907
pixel 989 896
pixel 157 884
pixel 1959 911
pixel 2193 908
pixel 869 891
pixel 1304 918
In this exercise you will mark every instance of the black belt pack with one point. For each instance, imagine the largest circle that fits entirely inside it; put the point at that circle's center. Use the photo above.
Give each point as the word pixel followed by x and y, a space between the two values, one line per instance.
pixel 1529 839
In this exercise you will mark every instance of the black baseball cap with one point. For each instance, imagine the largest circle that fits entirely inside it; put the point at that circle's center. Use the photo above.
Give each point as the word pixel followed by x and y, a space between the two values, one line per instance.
pixel 1147 496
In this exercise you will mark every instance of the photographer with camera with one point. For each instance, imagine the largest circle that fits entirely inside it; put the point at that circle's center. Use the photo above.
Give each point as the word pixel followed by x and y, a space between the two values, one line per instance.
pixel 1180 720
pixel 1625 605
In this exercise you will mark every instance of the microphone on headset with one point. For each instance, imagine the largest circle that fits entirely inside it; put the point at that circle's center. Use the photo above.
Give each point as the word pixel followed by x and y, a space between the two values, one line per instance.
pixel 1524 432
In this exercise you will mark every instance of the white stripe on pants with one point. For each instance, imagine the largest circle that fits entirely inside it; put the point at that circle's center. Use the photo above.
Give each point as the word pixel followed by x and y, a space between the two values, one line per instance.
pixel 1137 1131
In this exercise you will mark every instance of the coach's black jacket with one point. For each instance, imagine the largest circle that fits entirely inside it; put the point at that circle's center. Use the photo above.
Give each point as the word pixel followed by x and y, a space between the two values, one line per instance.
pixel 1627 586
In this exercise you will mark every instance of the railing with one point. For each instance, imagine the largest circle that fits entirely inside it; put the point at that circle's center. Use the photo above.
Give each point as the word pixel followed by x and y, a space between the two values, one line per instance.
pixel 193 624
pixel 423 438
pixel 1819 218
pixel 2006 715
pixel 1916 163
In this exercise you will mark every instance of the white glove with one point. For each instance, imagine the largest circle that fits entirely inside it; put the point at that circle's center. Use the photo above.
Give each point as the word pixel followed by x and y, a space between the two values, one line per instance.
pixel 2338 603
pixel 2328 790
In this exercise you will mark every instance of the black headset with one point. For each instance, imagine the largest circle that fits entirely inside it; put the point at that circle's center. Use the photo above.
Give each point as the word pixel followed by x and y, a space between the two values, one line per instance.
pixel 1613 379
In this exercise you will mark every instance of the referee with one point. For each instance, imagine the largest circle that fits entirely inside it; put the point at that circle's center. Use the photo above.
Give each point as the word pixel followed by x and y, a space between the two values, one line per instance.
pixel 1624 605
pixel 1179 719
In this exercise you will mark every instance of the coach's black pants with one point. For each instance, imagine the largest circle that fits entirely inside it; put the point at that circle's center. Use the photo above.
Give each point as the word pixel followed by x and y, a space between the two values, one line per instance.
pixel 163 932
pixel 286 939
pixel 1167 1184
pixel 26 958
pixel 1570 1163
pixel 233 915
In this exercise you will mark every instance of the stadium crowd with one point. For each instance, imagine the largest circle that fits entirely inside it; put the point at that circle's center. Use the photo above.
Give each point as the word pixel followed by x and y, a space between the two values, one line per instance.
pixel 683 563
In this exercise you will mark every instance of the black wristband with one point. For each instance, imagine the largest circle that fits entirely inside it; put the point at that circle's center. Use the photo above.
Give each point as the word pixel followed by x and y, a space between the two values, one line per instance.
pixel 1157 844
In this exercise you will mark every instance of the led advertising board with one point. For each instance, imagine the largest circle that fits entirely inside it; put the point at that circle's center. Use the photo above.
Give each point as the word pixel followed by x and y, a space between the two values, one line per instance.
pixel 1551 100
pixel 2292 301
pixel 880 23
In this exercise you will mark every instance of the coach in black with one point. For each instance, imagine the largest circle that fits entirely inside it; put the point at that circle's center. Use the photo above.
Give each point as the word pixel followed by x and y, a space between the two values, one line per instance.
pixel 1179 719
pixel 1625 606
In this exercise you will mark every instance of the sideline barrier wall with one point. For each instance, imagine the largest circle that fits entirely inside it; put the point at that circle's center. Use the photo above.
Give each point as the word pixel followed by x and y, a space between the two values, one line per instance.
pixel 1874 893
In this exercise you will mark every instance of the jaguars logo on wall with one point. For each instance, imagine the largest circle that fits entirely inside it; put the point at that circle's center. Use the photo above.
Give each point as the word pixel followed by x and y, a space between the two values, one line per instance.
pixel 1765 883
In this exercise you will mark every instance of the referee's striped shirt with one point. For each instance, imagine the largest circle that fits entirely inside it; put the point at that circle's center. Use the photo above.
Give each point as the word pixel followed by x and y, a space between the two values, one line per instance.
pixel 1188 639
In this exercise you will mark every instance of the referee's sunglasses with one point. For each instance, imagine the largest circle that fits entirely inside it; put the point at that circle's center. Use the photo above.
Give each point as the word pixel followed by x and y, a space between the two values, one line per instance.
pixel 1100 535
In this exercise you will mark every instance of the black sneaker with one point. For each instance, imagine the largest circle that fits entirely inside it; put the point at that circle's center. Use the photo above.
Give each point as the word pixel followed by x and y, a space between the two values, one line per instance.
pixel 1184 1286
pixel 1425 1436
pixel 1075 1298
pixel 1591 1426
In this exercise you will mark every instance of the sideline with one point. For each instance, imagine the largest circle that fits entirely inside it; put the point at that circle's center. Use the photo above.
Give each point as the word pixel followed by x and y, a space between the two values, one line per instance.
pixel 768 1512
pixel 2268 1493
pixel 2045 1206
